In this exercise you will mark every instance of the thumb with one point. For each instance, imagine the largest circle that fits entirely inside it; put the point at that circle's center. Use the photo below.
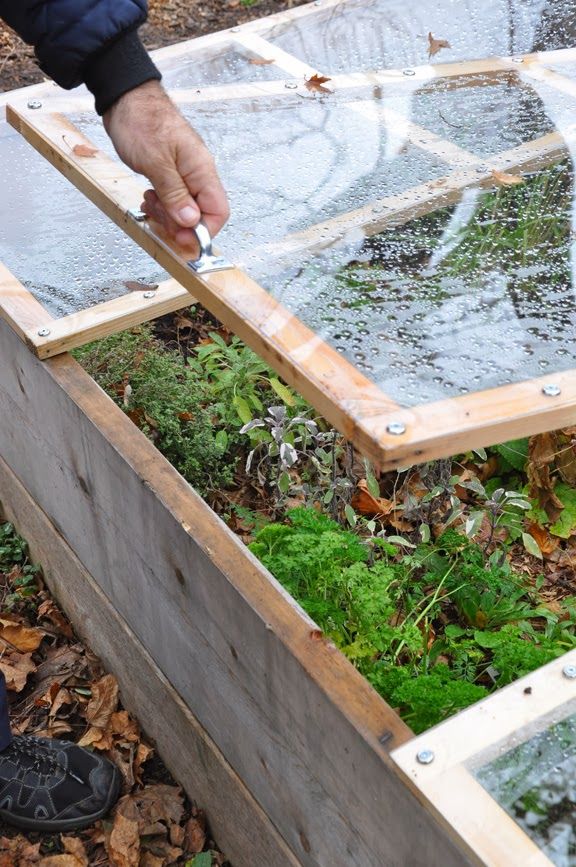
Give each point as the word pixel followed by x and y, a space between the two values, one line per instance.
pixel 175 196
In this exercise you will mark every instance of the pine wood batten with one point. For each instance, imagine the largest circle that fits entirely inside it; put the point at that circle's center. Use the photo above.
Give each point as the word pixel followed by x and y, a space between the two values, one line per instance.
pixel 473 738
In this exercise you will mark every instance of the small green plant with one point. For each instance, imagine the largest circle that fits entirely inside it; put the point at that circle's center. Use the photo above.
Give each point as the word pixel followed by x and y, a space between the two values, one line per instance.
pixel 20 583
pixel 167 400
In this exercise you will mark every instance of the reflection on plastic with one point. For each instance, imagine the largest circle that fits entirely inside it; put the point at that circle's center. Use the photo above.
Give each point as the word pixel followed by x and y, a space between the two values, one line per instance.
pixel 535 783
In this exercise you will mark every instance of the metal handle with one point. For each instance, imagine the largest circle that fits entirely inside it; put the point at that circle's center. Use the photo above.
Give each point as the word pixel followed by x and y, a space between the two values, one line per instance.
pixel 207 261
pixel 204 239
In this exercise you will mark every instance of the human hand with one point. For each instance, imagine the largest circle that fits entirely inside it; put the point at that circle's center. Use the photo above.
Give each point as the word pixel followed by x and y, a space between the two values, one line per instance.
pixel 152 138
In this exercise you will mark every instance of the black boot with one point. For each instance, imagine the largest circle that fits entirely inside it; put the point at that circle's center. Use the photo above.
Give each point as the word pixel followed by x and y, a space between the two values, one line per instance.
pixel 49 785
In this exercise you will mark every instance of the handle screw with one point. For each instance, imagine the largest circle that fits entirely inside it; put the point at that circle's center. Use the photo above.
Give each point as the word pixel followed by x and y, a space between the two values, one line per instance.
pixel 551 390
pixel 396 428
pixel 43 332
pixel 34 103
pixel 569 671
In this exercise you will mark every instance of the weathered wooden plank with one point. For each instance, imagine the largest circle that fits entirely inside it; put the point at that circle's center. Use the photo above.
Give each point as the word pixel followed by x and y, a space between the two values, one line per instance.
pixel 239 824
pixel 303 730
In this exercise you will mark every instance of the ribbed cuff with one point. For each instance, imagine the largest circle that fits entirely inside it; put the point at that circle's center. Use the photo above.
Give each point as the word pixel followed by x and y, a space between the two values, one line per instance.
pixel 122 66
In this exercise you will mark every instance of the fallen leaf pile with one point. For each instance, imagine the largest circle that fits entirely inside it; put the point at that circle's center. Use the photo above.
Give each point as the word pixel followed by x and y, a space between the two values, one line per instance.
pixel 57 688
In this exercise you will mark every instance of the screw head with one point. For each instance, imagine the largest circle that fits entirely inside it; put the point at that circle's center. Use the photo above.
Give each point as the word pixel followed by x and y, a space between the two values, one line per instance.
pixel 291 85
pixel 34 103
pixel 551 390
pixel 569 671
pixel 396 428
pixel 149 294
pixel 234 30
pixel 408 72
pixel 43 332
pixel 425 757
pixel 517 59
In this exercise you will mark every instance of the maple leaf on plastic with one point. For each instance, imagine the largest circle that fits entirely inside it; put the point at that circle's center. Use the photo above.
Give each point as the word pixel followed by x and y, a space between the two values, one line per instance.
pixel 260 61
pixel 507 180
pixel 135 286
pixel 81 150
pixel 84 150
pixel 316 83
pixel 436 45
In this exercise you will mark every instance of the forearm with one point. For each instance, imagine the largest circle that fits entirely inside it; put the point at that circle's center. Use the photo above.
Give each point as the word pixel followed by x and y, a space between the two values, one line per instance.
pixel 119 68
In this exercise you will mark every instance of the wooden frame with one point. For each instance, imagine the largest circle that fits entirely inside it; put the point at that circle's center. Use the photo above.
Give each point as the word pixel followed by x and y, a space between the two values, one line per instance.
pixel 352 403
pixel 488 729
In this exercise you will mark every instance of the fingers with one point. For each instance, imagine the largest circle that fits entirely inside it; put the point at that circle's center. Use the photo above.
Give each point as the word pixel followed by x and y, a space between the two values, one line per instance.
pixel 177 200
pixel 152 206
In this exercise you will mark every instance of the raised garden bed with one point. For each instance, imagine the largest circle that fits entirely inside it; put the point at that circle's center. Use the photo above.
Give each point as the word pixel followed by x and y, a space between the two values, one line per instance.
pixel 321 770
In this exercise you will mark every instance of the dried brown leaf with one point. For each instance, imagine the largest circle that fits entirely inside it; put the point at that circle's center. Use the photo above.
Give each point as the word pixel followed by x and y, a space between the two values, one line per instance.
pixel 23 638
pixel 367 504
pixel 123 726
pixel 436 45
pixel 260 61
pixel 123 845
pixel 100 739
pixel 16 667
pixel 316 83
pixel 154 808
pixel 541 454
pixel 135 286
pixel 546 542
pixel 75 855
pixel 143 753
pixel 104 701
pixel 195 834
pixel 505 179
pixel 18 851
pixel 48 610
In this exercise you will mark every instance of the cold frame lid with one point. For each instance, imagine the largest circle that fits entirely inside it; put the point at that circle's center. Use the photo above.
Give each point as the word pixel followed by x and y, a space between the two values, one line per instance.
pixel 402 231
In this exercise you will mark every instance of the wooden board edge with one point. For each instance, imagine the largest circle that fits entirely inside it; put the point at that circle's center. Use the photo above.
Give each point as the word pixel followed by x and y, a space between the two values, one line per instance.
pixel 107 318
pixel 238 823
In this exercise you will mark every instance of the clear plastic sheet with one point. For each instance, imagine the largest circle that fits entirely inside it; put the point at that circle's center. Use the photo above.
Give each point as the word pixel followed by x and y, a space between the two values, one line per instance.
pixel 229 65
pixel 535 782
pixel 391 34
pixel 472 292
pixel 56 242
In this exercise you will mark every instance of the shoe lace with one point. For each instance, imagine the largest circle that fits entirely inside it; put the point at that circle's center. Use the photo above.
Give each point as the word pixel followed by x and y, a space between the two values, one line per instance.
pixel 43 762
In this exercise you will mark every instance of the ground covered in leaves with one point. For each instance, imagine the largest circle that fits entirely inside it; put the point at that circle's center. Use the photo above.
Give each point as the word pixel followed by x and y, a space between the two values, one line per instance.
pixel 58 688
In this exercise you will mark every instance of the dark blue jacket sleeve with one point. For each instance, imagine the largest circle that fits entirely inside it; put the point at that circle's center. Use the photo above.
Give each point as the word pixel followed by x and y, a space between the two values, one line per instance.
pixel 92 41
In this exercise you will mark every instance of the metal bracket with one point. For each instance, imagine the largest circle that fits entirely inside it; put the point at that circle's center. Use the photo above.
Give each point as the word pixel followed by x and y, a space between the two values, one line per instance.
pixel 137 215
pixel 207 262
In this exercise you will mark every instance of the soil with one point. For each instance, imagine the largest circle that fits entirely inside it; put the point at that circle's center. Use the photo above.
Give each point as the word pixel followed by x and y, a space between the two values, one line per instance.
pixel 169 21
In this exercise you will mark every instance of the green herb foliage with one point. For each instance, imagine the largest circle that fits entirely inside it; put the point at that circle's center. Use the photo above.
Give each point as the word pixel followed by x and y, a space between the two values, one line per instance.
pixel 393 615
